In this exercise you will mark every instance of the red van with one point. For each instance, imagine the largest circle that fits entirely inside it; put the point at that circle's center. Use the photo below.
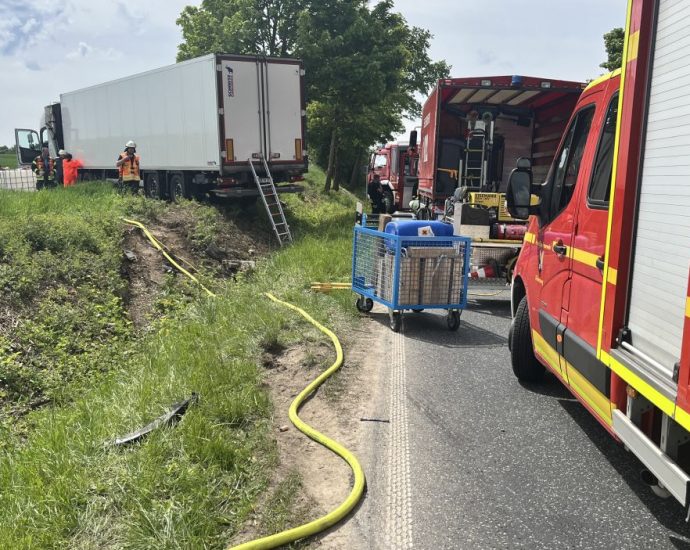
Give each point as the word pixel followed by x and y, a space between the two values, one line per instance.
pixel 600 290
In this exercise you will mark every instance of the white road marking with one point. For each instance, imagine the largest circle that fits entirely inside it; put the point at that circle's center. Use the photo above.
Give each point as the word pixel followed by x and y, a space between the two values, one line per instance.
pixel 398 523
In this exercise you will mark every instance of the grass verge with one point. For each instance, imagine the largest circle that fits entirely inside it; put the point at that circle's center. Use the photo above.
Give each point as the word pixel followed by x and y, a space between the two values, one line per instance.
pixel 190 486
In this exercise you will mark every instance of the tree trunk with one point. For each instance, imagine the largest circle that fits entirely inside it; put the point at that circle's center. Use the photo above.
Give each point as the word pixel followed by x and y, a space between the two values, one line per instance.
pixel 336 178
pixel 354 176
pixel 331 161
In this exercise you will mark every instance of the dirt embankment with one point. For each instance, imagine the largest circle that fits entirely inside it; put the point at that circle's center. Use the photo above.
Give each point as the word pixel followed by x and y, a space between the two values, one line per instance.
pixel 202 239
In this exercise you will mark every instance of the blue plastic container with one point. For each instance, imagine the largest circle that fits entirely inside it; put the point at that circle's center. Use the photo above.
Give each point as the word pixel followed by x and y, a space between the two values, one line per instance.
pixel 410 228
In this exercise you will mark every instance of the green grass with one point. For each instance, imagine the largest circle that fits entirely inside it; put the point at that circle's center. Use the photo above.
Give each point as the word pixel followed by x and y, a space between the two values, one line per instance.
pixel 8 160
pixel 190 486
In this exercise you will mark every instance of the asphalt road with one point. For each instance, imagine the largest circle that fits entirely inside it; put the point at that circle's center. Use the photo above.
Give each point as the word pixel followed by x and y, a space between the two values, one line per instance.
pixel 473 459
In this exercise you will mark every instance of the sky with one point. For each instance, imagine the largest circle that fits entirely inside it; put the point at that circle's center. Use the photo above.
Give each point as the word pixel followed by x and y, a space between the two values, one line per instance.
pixel 48 47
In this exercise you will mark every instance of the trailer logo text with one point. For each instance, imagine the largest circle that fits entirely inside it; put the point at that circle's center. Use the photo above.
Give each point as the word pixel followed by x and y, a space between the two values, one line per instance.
pixel 231 82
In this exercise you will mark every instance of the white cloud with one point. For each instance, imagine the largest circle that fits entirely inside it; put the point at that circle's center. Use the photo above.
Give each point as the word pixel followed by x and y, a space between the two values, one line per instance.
pixel 82 51
pixel 49 47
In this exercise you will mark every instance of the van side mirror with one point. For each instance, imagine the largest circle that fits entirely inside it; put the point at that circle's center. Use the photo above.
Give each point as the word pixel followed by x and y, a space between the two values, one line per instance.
pixel 520 188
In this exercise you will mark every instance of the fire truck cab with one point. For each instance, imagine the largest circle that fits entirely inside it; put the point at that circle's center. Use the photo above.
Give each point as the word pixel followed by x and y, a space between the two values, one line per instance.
pixel 396 165
pixel 600 289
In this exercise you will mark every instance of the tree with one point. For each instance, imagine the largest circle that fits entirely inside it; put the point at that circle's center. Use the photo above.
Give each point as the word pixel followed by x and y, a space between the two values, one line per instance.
pixel 614 41
pixel 259 27
pixel 376 65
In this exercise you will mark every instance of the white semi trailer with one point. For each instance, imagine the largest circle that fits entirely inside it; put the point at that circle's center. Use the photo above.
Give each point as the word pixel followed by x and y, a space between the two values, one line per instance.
pixel 197 124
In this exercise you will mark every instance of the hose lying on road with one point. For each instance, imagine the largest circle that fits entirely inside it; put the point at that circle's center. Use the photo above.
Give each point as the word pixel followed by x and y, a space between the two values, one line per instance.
pixel 163 251
pixel 333 517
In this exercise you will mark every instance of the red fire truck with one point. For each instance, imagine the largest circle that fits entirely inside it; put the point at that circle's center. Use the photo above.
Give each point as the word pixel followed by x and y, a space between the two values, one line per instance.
pixel 600 290
pixel 396 165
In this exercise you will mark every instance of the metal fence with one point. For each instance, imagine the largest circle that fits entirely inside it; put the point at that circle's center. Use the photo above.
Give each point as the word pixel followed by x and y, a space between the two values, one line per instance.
pixel 411 272
pixel 17 179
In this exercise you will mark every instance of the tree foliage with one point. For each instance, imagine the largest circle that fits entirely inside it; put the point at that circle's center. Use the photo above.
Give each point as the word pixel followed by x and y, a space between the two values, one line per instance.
pixel 613 42
pixel 365 66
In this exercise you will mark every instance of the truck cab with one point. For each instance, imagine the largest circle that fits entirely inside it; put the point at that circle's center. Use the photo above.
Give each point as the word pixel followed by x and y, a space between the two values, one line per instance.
pixel 396 165
pixel 601 291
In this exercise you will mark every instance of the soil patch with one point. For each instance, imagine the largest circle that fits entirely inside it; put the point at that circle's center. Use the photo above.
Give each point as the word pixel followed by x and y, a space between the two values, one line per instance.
pixel 326 478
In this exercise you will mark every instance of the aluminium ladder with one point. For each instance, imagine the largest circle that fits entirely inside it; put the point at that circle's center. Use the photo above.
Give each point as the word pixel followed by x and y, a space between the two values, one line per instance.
pixel 475 160
pixel 269 196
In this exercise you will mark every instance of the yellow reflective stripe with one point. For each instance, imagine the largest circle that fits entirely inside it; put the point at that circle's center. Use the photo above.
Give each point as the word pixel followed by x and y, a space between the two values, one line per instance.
pixel 633 46
pixel 601 79
pixel 530 238
pixel 687 307
pixel 613 276
pixel 583 257
pixel 683 418
pixel 614 170
pixel 664 403
pixel 594 398
pixel 549 354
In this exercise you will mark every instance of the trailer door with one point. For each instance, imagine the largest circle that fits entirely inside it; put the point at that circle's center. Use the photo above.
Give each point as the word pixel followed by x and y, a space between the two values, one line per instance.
pixel 283 105
pixel 661 259
pixel 243 116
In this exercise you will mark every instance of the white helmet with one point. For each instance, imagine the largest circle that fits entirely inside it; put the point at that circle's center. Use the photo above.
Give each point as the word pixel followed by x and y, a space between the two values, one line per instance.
pixel 61 152
pixel 130 143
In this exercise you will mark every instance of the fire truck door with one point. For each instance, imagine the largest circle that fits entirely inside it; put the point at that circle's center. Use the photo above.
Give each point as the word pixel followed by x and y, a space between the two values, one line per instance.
pixel 555 238
pixel 587 376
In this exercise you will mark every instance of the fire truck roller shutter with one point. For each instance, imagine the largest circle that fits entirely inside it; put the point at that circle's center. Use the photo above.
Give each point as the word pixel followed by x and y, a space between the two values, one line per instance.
pixel 662 246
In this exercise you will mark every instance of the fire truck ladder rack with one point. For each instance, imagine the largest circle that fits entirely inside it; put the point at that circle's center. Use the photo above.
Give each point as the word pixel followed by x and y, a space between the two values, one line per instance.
pixel 475 160
pixel 269 196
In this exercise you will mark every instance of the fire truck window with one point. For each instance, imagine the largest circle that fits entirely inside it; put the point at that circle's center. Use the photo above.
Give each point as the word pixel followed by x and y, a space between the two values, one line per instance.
pixel 600 187
pixel 395 155
pixel 569 162
pixel 380 161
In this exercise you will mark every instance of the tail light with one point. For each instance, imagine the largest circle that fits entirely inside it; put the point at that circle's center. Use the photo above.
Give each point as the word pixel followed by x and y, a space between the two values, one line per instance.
pixel 229 150
pixel 298 149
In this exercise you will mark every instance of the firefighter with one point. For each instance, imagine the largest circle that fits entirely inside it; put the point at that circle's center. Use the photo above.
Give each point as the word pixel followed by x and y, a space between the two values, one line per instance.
pixel 128 165
pixel 375 192
pixel 71 169
pixel 59 174
pixel 44 168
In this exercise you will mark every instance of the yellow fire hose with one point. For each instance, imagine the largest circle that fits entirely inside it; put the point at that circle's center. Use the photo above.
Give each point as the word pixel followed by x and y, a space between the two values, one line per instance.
pixel 333 517
pixel 163 251
pixel 336 515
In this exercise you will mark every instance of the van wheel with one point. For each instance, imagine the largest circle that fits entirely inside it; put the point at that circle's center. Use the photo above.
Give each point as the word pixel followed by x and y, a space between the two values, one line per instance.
pixel 525 364
pixel 388 201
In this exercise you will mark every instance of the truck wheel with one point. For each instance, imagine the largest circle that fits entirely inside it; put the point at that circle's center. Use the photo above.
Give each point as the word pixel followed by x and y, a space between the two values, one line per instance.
pixel 388 202
pixel 525 365
pixel 178 188
pixel 152 186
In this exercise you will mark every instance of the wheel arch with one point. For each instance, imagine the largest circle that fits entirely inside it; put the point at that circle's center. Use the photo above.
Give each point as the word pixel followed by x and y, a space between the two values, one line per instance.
pixel 517 293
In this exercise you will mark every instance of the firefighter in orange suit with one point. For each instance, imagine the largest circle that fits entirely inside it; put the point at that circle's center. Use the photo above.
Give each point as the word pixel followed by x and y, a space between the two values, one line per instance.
pixel 128 165
pixel 44 168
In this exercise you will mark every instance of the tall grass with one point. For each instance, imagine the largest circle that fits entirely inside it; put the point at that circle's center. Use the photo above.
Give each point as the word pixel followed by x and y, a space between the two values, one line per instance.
pixel 192 485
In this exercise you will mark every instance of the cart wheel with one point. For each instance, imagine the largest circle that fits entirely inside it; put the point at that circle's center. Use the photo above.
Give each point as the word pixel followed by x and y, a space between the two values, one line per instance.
pixel 395 321
pixel 418 310
pixel 365 305
pixel 453 320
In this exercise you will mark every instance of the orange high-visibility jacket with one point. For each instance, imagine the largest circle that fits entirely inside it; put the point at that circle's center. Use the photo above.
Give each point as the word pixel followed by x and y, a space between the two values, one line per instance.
pixel 70 169
pixel 129 170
